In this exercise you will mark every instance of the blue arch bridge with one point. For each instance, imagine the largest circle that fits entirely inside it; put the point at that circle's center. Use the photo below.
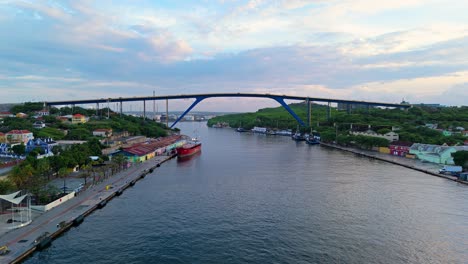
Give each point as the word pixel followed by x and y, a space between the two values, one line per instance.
pixel 200 97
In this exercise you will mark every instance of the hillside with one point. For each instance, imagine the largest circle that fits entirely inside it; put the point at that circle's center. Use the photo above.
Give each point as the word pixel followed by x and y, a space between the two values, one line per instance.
pixel 417 124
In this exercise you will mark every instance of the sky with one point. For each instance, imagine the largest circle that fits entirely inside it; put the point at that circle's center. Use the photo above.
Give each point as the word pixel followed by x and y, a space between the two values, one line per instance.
pixel 386 51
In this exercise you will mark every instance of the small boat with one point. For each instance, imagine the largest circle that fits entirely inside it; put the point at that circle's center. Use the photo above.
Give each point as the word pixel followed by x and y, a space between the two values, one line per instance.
pixel 298 136
pixel 190 148
pixel 241 129
pixel 260 130
pixel 313 139
pixel 284 133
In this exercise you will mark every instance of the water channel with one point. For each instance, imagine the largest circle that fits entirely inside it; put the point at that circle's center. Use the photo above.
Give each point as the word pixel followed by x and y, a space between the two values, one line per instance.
pixel 252 198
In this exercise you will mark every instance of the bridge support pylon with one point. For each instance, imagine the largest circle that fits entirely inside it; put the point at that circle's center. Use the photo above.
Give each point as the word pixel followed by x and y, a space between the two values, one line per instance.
pixel 280 100
pixel 197 100
pixel 290 111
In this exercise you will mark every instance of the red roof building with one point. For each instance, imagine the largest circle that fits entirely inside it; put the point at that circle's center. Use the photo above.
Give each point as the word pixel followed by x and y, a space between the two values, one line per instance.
pixel 399 148
pixel 5 114
pixel 17 136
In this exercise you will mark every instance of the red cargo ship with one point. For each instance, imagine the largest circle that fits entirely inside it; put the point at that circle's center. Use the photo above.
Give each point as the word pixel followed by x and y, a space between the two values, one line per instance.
pixel 189 149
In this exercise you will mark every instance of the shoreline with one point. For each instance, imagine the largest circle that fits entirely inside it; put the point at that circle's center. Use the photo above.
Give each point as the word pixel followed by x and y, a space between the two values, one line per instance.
pixel 38 235
pixel 369 154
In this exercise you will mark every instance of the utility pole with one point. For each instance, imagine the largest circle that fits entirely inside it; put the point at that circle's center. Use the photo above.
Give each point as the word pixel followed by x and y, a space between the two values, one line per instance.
pixel 154 106
pixel 167 112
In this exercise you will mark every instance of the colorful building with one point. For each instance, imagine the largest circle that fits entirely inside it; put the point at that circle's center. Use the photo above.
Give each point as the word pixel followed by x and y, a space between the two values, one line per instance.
pixel 2 138
pixel 21 115
pixel 433 153
pixel 78 119
pixel 400 148
pixel 102 132
pixel 4 149
pixel 18 136
pixel 144 151
pixel 46 145
pixel 6 114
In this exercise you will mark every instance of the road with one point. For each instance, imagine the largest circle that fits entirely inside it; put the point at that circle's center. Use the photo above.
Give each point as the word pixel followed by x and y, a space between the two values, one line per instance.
pixel 21 240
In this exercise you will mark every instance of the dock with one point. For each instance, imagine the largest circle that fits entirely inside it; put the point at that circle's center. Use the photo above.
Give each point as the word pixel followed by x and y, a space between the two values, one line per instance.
pixel 23 242
pixel 401 161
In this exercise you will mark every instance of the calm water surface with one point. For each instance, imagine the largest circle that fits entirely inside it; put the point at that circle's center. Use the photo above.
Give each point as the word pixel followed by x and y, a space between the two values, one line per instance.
pixel 264 199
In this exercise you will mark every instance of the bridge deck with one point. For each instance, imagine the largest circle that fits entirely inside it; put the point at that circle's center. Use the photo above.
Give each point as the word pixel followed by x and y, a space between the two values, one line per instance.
pixel 213 95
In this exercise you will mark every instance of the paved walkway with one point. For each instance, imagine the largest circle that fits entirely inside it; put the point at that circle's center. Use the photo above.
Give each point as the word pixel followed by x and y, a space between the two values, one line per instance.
pixel 430 168
pixel 21 240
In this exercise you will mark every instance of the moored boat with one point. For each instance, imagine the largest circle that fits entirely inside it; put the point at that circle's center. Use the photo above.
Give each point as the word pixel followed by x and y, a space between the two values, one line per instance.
pixel 189 149
pixel 313 139
pixel 298 136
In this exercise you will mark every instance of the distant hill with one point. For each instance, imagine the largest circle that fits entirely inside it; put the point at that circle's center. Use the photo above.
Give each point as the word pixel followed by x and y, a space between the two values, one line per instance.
pixel 6 107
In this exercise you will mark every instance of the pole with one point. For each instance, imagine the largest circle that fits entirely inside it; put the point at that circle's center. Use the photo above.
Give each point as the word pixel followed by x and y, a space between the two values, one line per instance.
pixel 108 108
pixel 308 112
pixel 336 133
pixel 154 106
pixel 144 109
pixel 167 112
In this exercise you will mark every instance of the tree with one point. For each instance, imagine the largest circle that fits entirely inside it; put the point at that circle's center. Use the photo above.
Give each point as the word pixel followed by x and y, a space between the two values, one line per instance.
pixel 460 158
pixel 6 186
pixel 19 149
pixel 62 173
pixel 21 175
pixel 119 159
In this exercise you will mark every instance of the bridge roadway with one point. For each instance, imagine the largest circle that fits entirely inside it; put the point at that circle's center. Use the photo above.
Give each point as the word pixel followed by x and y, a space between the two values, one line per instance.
pixel 214 95
pixel 199 97
pixel 21 241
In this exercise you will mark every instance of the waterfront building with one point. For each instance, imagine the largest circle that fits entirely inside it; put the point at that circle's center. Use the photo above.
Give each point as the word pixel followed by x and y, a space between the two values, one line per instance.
pixel 400 148
pixel 141 152
pixel 390 136
pixel 433 153
pixel 2 137
pixel 18 136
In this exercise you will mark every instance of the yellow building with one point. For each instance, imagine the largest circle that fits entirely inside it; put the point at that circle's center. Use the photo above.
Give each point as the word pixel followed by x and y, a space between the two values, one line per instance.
pixel 2 138
pixel 78 119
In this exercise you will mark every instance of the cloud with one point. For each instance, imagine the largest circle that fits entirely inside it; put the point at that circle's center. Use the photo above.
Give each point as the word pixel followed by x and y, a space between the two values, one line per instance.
pixel 344 49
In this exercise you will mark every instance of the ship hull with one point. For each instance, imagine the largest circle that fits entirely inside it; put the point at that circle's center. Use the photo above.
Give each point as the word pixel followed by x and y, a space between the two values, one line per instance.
pixel 188 150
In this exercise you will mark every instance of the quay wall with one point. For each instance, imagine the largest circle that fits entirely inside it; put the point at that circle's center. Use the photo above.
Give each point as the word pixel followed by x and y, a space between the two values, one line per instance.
pixel 369 155
pixel 98 204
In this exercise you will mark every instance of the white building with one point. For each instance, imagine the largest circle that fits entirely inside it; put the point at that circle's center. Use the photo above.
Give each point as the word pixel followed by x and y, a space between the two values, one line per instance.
pixel 390 136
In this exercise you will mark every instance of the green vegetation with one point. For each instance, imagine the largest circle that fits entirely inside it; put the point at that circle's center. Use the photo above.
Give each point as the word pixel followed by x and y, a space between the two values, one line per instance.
pixel 461 158
pixel 57 129
pixel 34 174
pixel 410 123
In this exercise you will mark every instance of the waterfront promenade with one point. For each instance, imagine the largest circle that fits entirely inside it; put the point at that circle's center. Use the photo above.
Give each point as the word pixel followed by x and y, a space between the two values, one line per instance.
pixel 23 241
pixel 428 168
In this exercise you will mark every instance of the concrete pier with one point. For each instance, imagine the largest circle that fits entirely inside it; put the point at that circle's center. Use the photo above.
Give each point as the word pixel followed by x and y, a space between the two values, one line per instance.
pixel 22 242
pixel 401 161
